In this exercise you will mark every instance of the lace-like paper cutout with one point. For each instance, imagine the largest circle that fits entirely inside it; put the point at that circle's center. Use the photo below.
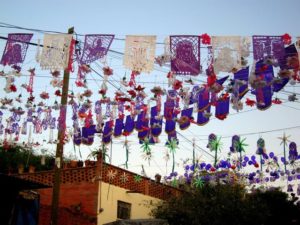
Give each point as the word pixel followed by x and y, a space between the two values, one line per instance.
pixel 227 53
pixel 55 53
pixel 268 46
pixel 185 54
pixel 95 47
pixel 15 49
pixel 139 53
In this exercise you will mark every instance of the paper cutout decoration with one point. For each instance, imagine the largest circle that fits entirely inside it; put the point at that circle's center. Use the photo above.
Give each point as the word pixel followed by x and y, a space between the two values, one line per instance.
pixel 15 49
pixel 185 54
pixel 268 46
pixel 227 53
pixel 139 53
pixel 55 53
pixel 95 47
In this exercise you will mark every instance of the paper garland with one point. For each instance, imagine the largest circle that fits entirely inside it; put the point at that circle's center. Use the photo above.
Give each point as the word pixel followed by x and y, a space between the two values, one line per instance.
pixel 139 53
pixel 55 53
pixel 185 54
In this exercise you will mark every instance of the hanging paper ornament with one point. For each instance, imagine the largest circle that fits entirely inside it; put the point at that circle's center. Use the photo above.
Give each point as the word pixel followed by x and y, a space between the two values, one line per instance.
pixel 15 49
pixel 293 153
pixel 169 111
pixel 287 39
pixel 205 39
pixel 30 85
pixel 214 144
pixel 83 70
pixel 268 46
pixel 147 155
pixel 203 106
pixel 55 53
pixel 222 107
pixel 185 120
pixel 290 60
pixel 107 132
pixel 139 53
pixel 234 141
pixel 261 147
pixel 262 85
pixel 227 53
pixel 241 82
pixel 155 122
pixel 9 84
pixel 185 54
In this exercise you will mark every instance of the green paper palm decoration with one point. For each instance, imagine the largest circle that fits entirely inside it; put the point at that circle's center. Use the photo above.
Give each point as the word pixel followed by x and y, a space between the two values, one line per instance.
pixel 198 183
pixel 172 145
pixel 216 145
pixel 146 146
pixel 137 178
pixel 146 149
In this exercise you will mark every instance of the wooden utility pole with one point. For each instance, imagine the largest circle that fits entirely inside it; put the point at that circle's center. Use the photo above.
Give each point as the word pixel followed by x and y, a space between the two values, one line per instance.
pixel 60 145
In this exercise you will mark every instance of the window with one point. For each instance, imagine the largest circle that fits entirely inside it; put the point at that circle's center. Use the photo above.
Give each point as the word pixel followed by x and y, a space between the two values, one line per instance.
pixel 124 210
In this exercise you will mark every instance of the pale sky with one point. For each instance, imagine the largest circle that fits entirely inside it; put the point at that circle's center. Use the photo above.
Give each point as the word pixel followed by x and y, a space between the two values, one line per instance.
pixel 162 18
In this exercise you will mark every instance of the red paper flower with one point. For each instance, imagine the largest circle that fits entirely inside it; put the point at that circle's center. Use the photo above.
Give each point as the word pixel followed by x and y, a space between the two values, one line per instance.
pixel 177 84
pixel 250 102
pixel 276 101
pixel 107 71
pixel 132 93
pixel 55 73
pixel 57 93
pixel 44 95
pixel 13 88
pixel 205 39
pixel 211 79
pixel 139 88
pixel 287 39
pixel 102 91
pixel 233 167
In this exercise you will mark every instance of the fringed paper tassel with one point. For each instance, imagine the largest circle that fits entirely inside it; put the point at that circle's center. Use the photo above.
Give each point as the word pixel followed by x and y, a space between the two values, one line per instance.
pixel 38 50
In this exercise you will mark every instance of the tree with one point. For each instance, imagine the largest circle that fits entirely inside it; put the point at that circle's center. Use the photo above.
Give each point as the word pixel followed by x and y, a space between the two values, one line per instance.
pixel 227 204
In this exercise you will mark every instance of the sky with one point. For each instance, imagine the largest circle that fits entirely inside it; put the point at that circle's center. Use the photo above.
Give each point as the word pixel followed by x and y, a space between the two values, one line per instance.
pixel 162 18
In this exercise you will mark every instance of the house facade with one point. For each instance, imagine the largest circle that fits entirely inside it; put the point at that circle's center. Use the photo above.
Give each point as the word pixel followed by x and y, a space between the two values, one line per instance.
pixel 99 194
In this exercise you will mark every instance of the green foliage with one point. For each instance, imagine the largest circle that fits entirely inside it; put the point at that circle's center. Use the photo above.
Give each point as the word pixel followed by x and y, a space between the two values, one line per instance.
pixel 228 204
pixel 16 155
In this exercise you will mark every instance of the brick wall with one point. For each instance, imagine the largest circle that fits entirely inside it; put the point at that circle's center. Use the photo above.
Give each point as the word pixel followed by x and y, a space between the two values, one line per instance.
pixel 88 175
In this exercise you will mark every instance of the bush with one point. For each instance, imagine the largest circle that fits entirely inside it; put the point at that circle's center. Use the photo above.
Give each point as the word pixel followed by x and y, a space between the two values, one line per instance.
pixel 228 204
